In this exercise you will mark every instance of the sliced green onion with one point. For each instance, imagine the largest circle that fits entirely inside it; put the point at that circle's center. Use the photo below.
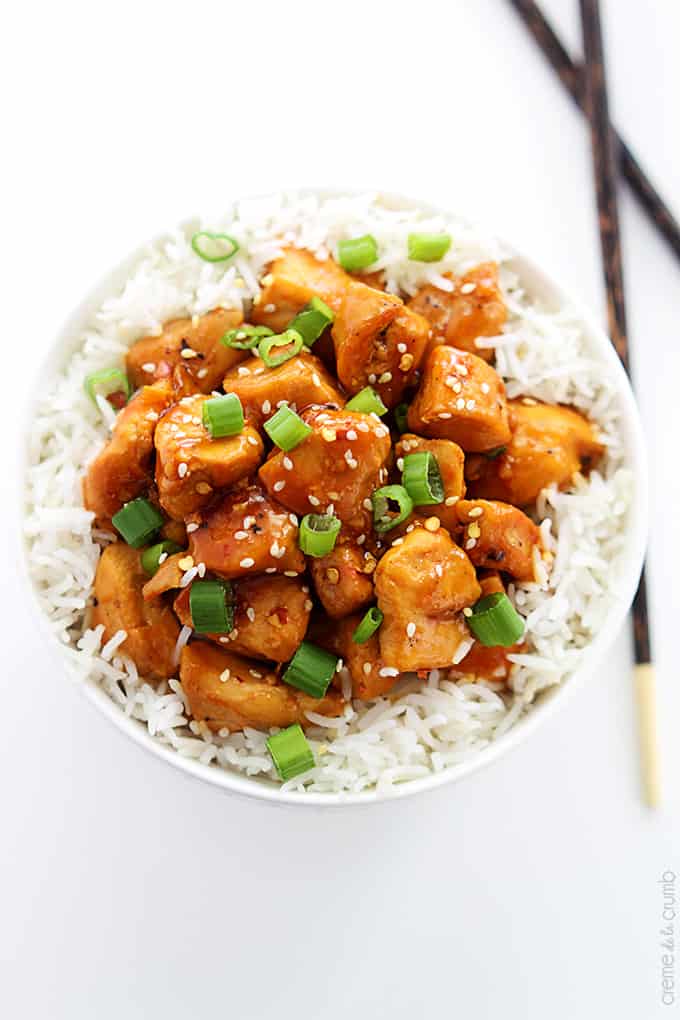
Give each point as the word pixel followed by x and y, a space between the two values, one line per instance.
pixel 106 382
pixel 428 247
pixel 211 607
pixel 289 342
pixel 290 752
pixel 318 533
pixel 368 626
pixel 366 401
pixel 400 417
pixel 496 452
pixel 286 429
pixel 495 621
pixel 311 670
pixel 385 516
pixel 137 522
pixel 312 320
pixel 214 247
pixel 357 252
pixel 422 479
pixel 223 416
pixel 152 555
pixel 245 337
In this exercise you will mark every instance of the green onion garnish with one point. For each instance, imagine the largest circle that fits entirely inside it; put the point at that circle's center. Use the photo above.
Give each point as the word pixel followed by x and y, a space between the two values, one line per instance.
pixel 151 556
pixel 223 416
pixel 211 607
pixel 385 515
pixel 289 342
pixel 400 417
pixel 311 670
pixel 106 382
pixel 137 522
pixel 357 252
pixel 428 247
pixel 495 621
pixel 422 479
pixel 214 247
pixel 286 429
pixel 290 752
pixel 245 337
pixel 366 401
pixel 318 533
pixel 312 320
pixel 368 626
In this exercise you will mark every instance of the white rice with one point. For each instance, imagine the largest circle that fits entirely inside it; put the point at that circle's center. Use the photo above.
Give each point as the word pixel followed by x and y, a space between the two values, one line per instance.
pixel 425 728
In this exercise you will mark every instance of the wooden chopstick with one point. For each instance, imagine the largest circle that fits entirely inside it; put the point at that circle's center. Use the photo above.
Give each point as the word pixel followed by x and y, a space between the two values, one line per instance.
pixel 571 76
pixel 605 172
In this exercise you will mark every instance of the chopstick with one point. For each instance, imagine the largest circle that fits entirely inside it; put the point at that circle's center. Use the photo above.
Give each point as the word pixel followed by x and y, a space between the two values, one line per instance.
pixel 571 76
pixel 605 171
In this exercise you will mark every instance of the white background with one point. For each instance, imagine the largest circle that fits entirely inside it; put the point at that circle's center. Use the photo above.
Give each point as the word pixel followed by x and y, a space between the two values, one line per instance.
pixel 528 891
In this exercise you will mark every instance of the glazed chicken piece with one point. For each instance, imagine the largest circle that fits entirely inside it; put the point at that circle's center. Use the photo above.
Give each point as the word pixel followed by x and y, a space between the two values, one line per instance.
pixel 151 627
pixel 450 459
pixel 247 533
pixel 342 579
pixel 270 617
pixel 300 381
pixel 548 445
pixel 378 342
pixel 497 535
pixel 124 467
pixel 488 663
pixel 190 465
pixel 339 463
pixel 422 583
pixel 460 398
pixel 205 359
pixel 292 281
pixel 474 308
pixel 227 690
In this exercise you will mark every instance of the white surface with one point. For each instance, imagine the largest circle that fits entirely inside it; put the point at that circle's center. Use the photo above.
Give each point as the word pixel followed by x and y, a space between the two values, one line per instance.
pixel 528 891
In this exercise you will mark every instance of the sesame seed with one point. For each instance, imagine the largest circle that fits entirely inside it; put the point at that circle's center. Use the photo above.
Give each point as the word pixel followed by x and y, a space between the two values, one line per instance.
pixel 278 486
pixel 250 613
pixel 410 629
pixel 182 470
pixel 202 372
pixel 367 504
pixel 332 575
pixel 476 511
pixel 462 369
pixel 270 308
pixel 529 401
pixel 361 539
pixel 313 500
pixel 328 434
pixel 186 563
pixel 450 500
pixel 152 416
pixel 382 432
pixel 460 404
pixel 252 440
pixel 203 488
pixel 410 529
pixel 367 667
pixel 270 570
pixel 389 671
pixel 247 562
pixel 191 527
pixel 385 377
pixel 372 377
pixel 406 362
pixel 338 666
pixel 485 388
pixel 308 605
pixel 468 288
pixel 470 405
pixel 457 387
pixel 225 674
pixel 149 366
pixel 201 569
pixel 432 524
pixel 240 535
pixel 467 611
pixel 351 435
pixel 471 543
pixel 362 426
pixel 282 403
pixel 162 558
pixel 248 521
pixel 287 463
pixel 315 379
pixel 293 519
pixel 402 348
pixel 439 570
pixel 286 573
pixel 400 463
pixel 266 406
pixel 242 370
pixel 398 541
pixel 188 353
pixel 474 531
pixel 330 508
pixel 444 414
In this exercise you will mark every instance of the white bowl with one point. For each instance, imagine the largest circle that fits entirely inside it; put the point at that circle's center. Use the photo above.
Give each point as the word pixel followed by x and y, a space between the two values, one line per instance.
pixel 539 285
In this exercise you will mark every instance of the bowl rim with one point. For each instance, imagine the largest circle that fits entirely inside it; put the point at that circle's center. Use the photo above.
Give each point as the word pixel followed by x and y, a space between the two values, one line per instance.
pixel 67 340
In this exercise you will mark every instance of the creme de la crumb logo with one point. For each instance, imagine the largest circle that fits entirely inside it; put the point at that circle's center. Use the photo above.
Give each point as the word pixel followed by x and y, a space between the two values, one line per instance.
pixel 668 952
